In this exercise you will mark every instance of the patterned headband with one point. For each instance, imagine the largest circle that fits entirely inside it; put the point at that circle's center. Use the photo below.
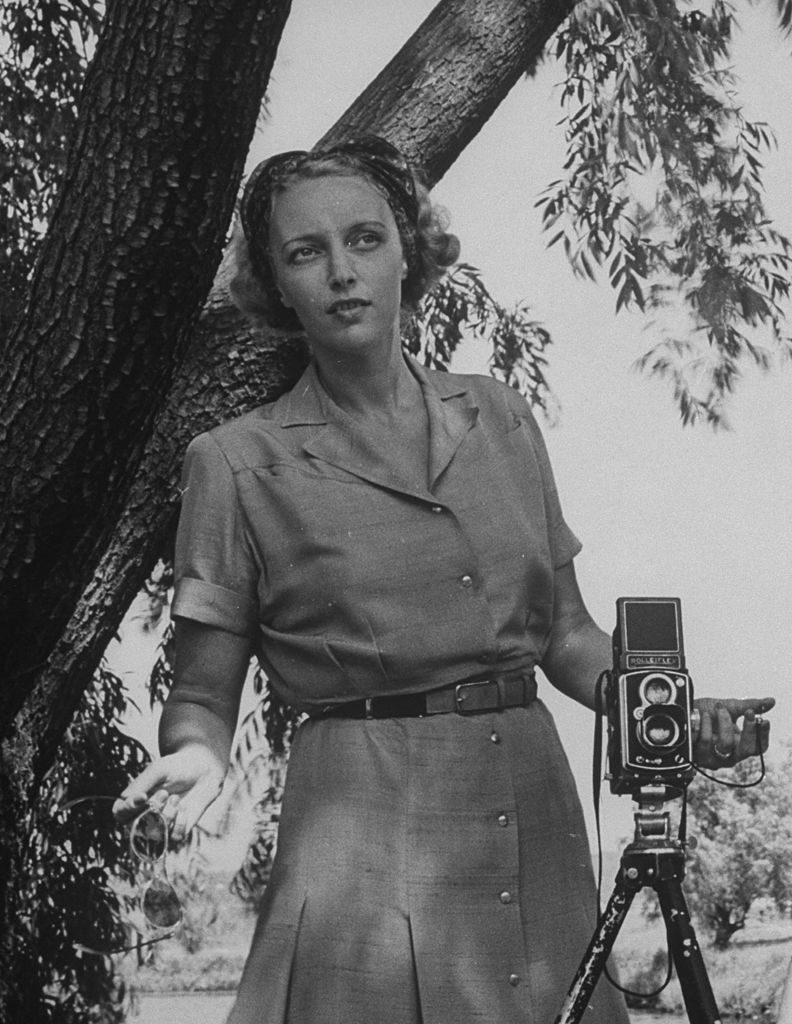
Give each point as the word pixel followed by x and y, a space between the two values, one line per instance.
pixel 372 156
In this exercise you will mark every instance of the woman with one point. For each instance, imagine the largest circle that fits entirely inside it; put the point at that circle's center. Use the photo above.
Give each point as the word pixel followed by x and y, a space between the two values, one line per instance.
pixel 389 541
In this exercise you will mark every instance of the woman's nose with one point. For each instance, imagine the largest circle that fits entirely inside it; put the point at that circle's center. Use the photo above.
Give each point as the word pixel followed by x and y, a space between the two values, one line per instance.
pixel 341 271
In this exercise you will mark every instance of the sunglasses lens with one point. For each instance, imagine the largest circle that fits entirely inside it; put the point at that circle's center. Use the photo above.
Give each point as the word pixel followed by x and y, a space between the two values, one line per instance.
pixel 160 904
pixel 149 836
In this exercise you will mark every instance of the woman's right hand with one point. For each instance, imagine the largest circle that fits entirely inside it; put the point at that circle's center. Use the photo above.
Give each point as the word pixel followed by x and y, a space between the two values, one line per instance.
pixel 180 785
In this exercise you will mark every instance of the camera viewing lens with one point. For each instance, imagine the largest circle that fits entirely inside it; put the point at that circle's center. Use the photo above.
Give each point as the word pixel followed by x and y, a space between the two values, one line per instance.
pixel 657 689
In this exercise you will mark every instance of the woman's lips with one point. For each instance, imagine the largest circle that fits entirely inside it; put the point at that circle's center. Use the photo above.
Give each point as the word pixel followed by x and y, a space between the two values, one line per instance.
pixel 346 305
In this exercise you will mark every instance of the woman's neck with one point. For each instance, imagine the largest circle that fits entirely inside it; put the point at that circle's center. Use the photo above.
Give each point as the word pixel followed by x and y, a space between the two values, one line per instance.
pixel 378 388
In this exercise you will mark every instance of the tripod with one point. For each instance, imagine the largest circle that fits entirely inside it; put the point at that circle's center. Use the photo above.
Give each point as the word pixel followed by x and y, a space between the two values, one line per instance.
pixel 655 859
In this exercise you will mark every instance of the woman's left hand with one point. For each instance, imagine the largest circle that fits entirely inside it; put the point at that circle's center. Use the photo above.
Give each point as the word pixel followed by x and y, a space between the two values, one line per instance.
pixel 718 739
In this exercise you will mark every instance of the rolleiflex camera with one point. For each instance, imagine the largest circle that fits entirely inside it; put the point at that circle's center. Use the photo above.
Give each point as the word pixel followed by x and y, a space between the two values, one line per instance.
pixel 649 697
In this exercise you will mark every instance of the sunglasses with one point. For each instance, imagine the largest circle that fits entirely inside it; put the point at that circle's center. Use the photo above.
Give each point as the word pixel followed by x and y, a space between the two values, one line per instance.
pixel 159 903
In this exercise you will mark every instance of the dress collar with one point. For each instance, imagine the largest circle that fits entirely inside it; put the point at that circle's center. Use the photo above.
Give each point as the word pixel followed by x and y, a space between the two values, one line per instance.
pixel 450 409
pixel 306 403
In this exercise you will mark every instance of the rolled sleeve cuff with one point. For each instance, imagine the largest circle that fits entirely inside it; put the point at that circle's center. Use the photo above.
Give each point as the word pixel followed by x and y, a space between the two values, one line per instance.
pixel 214 606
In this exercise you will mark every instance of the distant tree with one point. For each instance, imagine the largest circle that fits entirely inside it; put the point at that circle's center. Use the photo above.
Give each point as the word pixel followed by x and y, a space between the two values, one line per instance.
pixel 743 843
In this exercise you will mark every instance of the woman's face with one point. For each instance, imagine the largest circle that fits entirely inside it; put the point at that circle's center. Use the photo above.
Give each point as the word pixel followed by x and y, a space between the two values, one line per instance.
pixel 338 262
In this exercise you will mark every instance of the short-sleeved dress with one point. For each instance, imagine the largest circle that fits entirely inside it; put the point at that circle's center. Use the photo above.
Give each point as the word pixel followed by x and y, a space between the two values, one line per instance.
pixel 429 870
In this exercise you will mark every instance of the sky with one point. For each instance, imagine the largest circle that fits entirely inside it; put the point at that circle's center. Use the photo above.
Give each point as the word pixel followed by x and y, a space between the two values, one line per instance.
pixel 661 510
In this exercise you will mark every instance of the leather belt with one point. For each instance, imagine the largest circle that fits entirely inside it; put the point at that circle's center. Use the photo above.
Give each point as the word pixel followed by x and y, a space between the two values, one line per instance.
pixel 470 698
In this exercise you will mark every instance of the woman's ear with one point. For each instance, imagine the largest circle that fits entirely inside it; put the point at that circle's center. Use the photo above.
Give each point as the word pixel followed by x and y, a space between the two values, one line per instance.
pixel 404 269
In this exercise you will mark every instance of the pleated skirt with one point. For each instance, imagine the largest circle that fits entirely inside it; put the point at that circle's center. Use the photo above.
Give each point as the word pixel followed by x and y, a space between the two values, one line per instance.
pixel 428 871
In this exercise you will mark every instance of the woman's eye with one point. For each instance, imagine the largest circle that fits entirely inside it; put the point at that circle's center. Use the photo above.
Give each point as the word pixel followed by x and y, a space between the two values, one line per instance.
pixel 303 254
pixel 365 240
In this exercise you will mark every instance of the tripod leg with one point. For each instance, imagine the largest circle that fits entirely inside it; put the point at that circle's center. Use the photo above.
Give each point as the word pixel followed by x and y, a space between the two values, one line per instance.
pixel 696 991
pixel 595 957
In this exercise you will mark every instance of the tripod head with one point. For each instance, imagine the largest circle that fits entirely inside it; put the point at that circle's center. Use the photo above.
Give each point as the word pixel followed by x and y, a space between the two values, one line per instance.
pixel 652 820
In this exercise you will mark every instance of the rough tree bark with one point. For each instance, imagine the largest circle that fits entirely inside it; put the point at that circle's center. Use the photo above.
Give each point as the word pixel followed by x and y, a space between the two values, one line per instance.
pixel 170 104
pixel 448 79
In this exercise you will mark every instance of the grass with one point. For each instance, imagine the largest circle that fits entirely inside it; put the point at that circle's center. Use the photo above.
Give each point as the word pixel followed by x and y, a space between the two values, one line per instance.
pixel 222 946
pixel 747 978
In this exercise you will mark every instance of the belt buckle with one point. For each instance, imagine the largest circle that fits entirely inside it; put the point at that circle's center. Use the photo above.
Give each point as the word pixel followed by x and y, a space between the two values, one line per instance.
pixel 464 691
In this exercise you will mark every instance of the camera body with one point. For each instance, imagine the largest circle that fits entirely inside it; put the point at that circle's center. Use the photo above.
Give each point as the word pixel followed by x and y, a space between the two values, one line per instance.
pixel 649 697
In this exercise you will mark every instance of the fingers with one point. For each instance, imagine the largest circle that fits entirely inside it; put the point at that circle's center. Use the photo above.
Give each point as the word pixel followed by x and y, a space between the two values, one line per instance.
pixel 738 706
pixel 190 808
pixel 755 736
pixel 715 741
pixel 724 734
pixel 180 786
pixel 135 797
pixel 720 742
pixel 704 737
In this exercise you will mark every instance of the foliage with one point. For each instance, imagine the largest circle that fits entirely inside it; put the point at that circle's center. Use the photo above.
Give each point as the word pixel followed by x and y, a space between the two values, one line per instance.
pixel 155 597
pixel 743 838
pixel 462 306
pixel 251 878
pixel 646 980
pixel 73 858
pixel 44 48
pixel 651 111
pixel 198 899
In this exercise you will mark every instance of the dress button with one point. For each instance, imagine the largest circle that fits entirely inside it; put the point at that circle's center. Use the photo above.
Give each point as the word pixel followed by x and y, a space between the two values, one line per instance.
pixel 495 737
pixel 503 820
pixel 505 897
pixel 467 581
pixel 514 979
pixel 437 508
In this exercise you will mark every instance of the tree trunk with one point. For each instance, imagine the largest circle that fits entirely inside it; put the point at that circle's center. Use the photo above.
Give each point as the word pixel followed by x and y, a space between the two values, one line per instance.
pixel 725 922
pixel 445 83
pixel 168 110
